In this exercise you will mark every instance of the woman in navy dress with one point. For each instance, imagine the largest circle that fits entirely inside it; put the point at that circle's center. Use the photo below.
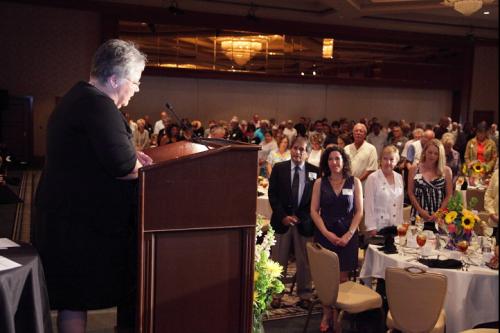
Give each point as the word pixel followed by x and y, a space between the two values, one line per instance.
pixel 336 209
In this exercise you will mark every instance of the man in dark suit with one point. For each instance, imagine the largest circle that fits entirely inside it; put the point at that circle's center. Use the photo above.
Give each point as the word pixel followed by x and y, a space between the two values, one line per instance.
pixel 290 188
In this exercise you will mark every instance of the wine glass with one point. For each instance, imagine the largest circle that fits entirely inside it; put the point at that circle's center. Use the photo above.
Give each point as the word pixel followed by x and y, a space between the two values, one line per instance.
pixel 421 239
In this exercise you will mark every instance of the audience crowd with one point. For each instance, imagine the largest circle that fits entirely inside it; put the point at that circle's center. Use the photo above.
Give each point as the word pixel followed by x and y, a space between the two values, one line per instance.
pixel 363 140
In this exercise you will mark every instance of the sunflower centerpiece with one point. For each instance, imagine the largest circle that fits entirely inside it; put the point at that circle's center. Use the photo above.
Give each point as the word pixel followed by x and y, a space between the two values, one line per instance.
pixel 458 222
pixel 476 172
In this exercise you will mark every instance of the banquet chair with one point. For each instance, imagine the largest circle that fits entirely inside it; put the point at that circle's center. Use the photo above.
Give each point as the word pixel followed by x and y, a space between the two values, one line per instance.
pixel 350 297
pixel 416 300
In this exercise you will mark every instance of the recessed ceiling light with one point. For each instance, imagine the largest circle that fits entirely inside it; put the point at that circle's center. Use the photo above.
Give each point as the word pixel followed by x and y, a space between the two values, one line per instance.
pixel 486 12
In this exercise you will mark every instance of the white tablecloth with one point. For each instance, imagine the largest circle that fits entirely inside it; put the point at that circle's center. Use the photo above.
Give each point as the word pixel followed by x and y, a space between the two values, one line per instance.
pixel 471 298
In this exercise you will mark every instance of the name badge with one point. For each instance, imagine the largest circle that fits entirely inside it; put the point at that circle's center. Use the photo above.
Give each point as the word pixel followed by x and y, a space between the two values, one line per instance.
pixel 347 191
pixel 312 175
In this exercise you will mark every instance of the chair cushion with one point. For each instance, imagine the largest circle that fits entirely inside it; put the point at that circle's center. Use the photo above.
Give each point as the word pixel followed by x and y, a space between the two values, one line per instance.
pixel 354 298
pixel 438 327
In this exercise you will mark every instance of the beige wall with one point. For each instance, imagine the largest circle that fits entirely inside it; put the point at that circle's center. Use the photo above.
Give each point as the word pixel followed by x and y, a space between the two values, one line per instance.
pixel 47 50
pixel 219 99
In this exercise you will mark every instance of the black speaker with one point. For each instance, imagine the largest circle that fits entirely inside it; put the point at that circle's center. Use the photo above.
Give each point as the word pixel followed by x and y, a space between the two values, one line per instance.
pixel 4 99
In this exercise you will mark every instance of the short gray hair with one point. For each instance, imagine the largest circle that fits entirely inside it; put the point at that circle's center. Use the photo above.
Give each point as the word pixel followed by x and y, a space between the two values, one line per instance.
pixel 117 57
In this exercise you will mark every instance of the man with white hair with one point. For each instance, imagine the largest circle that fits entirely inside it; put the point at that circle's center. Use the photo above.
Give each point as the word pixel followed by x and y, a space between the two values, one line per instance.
pixel 363 154
pixel 416 135
pixel 235 132
pixel 415 149
pixel 160 124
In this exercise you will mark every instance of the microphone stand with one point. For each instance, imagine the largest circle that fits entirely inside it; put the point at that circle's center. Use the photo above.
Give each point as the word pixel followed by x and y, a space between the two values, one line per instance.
pixel 193 139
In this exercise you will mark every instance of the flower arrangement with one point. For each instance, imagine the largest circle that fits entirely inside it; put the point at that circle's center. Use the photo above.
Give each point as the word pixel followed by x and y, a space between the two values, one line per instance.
pixel 458 222
pixel 476 172
pixel 266 275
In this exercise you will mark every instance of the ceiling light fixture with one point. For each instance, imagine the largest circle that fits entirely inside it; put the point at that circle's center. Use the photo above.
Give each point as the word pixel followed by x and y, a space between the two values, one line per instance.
pixel 242 49
pixel 328 48
pixel 467 7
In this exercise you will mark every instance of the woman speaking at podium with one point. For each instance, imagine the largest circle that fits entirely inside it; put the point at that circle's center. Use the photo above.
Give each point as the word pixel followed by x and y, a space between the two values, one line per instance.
pixel 85 227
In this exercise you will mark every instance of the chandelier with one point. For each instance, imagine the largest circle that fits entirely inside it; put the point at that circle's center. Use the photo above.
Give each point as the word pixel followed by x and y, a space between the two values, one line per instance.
pixel 242 49
pixel 467 7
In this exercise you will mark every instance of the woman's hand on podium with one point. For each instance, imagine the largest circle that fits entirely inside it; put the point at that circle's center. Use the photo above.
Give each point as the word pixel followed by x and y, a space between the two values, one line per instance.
pixel 144 159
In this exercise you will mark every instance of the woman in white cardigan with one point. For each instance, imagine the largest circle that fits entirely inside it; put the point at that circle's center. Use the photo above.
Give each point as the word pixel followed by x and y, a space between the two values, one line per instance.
pixel 384 193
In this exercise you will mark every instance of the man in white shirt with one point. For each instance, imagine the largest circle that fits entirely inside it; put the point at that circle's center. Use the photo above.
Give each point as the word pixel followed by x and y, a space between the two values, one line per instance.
pixel 160 124
pixel 290 132
pixel 416 135
pixel 363 154
pixel 415 149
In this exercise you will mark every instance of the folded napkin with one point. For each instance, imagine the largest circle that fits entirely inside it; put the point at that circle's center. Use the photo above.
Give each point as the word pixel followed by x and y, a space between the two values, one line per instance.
pixel 389 247
pixel 391 230
pixel 436 263
pixel 376 240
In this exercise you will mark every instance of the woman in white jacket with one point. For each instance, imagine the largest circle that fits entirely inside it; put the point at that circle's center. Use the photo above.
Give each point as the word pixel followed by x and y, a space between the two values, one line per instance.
pixel 384 193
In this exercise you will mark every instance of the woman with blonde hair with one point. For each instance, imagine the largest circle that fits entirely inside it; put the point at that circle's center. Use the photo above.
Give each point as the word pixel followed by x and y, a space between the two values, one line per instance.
pixel 280 154
pixel 314 157
pixel 429 184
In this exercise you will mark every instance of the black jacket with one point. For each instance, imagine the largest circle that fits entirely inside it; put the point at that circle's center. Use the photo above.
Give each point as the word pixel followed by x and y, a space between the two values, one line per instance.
pixel 280 198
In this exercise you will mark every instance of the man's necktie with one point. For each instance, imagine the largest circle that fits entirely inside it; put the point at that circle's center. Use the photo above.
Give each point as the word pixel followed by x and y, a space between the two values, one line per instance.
pixel 295 188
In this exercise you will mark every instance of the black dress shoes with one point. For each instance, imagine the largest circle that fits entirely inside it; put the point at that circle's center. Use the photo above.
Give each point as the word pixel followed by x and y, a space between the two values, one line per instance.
pixel 304 304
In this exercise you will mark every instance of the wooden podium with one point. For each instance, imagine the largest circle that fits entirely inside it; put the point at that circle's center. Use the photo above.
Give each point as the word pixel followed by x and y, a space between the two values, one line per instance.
pixel 196 237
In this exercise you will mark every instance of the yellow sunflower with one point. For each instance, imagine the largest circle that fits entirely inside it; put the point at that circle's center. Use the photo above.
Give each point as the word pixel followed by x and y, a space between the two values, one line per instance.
pixel 450 217
pixel 478 168
pixel 468 221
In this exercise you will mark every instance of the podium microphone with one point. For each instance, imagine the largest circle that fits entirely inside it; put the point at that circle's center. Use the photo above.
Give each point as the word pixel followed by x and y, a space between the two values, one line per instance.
pixel 182 125
pixel 171 109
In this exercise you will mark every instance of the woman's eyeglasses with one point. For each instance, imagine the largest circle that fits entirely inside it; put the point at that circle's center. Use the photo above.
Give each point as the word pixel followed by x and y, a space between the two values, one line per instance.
pixel 137 84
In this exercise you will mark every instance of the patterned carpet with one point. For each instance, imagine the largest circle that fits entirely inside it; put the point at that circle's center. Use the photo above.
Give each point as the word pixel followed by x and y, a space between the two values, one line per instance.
pixel 288 308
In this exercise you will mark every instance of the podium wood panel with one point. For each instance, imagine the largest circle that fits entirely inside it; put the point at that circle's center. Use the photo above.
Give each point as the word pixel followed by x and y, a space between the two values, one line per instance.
pixel 197 232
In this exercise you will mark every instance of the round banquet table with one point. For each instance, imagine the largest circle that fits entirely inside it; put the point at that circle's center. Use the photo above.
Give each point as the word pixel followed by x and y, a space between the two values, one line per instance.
pixel 24 303
pixel 471 296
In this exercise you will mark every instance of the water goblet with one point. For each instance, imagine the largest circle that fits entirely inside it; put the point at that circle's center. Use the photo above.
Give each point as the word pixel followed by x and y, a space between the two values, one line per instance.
pixel 462 246
pixel 421 239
